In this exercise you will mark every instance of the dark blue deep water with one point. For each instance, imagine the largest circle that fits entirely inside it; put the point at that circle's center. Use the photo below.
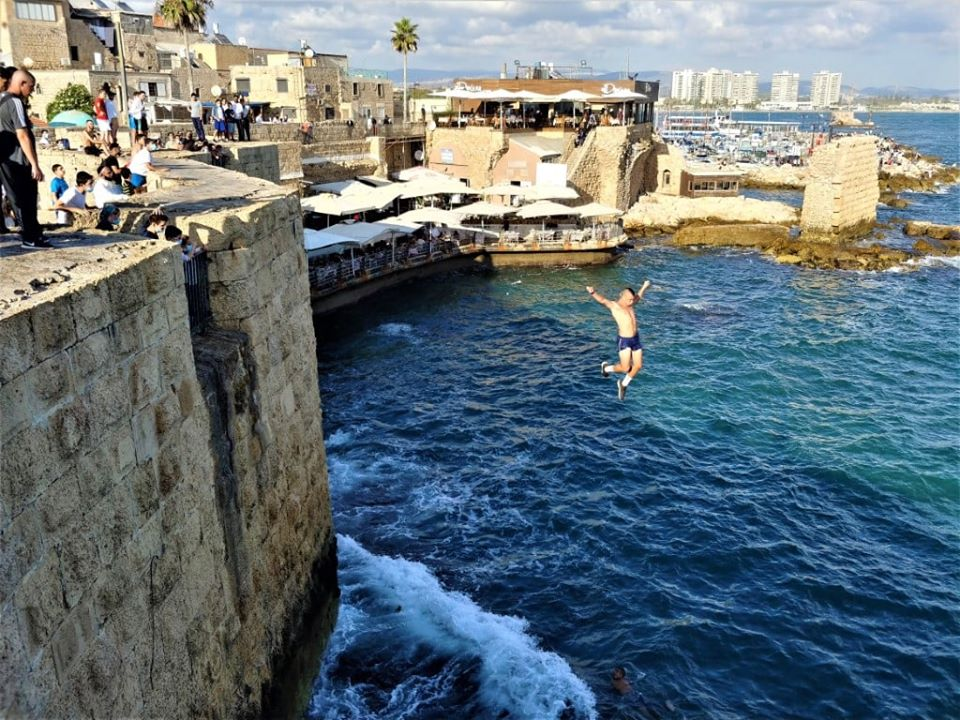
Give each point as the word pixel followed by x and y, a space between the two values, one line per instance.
pixel 767 527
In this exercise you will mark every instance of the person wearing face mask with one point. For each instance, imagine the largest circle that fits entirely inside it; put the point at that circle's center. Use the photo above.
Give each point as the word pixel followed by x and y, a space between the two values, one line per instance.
pixel 109 218
pixel 74 200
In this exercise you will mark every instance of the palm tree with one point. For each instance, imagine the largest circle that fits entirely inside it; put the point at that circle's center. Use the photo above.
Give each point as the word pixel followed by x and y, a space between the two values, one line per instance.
pixel 186 16
pixel 405 40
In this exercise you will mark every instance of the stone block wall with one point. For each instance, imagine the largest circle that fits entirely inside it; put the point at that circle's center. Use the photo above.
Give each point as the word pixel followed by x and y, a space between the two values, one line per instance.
pixel 470 153
pixel 164 511
pixel 841 194
pixel 611 167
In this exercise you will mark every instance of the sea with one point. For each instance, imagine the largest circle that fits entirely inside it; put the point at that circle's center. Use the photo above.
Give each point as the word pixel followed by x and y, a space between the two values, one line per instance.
pixel 766 527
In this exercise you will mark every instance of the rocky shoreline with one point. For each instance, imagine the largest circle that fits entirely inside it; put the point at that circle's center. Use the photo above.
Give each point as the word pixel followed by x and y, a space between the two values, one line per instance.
pixel 777 242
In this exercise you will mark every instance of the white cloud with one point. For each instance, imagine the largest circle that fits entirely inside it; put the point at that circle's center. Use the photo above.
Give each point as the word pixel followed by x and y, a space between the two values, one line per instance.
pixel 867 39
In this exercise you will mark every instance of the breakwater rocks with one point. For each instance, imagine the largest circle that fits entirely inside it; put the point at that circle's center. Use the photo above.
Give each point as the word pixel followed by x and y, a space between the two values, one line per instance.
pixel 776 242
pixel 663 214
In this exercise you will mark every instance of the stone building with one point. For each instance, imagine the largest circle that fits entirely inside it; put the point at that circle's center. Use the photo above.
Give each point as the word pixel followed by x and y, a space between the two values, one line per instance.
pixel 314 89
pixel 35 29
pixel 678 178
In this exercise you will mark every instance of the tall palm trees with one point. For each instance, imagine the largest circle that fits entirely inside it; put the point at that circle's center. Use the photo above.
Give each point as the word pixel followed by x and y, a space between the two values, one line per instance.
pixel 185 16
pixel 405 40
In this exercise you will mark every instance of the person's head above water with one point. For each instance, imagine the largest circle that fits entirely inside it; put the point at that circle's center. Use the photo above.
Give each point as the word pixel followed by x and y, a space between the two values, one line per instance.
pixel 618 673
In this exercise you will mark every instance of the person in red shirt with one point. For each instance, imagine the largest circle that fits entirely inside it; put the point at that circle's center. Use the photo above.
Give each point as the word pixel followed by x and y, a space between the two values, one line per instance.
pixel 103 119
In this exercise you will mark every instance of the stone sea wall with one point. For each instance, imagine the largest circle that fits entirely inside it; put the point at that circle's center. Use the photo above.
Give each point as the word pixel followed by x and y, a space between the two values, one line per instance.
pixel 164 509
pixel 841 193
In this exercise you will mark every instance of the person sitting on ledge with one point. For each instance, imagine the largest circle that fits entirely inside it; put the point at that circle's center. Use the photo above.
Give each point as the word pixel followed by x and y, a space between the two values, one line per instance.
pixel 109 218
pixel 90 140
pixel 156 225
pixel 106 189
pixel 141 163
pixel 74 199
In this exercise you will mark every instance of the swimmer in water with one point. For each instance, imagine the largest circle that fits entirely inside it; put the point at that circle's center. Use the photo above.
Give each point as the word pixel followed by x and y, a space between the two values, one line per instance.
pixel 629 349
pixel 649 711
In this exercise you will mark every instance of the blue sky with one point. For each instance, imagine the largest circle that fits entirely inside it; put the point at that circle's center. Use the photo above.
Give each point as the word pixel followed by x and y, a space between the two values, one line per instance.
pixel 873 42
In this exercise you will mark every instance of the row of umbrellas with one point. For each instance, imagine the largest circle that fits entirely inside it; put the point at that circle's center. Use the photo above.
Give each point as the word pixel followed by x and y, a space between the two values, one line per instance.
pixel 483 209
pixel 616 95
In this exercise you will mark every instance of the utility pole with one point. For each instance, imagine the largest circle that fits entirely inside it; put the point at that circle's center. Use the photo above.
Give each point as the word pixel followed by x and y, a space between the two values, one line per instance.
pixel 118 31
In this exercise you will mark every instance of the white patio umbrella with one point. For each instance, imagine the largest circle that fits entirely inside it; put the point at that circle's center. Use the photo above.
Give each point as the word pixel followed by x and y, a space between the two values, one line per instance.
pixel 483 209
pixel 596 209
pixel 432 186
pixel 544 209
pixel 552 192
pixel 507 189
pixel 575 96
pixel 435 216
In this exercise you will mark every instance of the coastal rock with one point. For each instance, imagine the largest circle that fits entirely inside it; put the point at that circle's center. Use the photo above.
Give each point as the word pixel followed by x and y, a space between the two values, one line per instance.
pixel 772 177
pixel 667 213
pixel 917 228
pixel 747 235
pixel 789 259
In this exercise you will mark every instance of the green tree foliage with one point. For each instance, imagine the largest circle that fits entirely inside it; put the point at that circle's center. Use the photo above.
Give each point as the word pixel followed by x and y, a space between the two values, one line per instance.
pixel 72 97
pixel 405 40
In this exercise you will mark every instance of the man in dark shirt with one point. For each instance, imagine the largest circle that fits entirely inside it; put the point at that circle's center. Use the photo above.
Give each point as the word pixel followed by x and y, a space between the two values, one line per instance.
pixel 19 168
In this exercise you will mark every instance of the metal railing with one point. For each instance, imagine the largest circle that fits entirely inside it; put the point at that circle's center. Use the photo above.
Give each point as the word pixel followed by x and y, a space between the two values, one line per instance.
pixel 328 276
pixel 197 286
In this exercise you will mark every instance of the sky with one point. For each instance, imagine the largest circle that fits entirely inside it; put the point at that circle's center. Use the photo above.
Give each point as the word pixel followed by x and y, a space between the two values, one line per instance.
pixel 872 42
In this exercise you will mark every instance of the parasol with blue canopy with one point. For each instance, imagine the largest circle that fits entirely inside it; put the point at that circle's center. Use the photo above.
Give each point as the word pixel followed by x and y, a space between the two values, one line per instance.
pixel 70 118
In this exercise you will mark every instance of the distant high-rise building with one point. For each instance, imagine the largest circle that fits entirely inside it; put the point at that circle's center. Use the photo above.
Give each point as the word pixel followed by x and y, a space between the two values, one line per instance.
pixel 785 88
pixel 686 85
pixel 744 88
pixel 825 88
pixel 716 86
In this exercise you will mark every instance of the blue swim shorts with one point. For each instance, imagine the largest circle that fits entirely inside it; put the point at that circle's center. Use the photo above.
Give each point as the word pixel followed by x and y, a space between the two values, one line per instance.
pixel 629 343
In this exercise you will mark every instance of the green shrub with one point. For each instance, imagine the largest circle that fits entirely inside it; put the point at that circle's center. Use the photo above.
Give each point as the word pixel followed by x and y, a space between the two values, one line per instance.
pixel 72 97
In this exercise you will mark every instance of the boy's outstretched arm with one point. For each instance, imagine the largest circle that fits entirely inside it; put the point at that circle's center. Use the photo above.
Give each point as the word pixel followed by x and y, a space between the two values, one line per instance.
pixel 639 297
pixel 597 296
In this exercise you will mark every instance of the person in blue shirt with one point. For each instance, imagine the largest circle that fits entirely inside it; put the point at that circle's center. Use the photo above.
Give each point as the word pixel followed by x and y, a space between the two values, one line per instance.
pixel 59 185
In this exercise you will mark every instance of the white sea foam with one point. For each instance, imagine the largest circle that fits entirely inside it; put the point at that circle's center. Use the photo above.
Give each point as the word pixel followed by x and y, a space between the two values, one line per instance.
pixel 927 261
pixel 401 602
pixel 396 330
pixel 339 438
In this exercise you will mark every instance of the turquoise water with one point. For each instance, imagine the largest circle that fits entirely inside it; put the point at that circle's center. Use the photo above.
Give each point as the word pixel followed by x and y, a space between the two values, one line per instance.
pixel 766 527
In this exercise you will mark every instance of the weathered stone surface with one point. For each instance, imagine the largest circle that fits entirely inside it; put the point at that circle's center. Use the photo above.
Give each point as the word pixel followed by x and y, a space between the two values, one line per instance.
pixel 657 214
pixel 148 520
pixel 841 194
pixel 749 235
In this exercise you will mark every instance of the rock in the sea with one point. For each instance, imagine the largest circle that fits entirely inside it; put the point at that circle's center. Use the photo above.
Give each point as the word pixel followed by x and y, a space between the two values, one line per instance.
pixel 745 235
pixel 789 259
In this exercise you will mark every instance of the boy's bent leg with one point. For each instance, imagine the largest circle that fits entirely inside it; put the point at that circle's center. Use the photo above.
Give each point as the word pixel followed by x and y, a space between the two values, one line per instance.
pixel 637 362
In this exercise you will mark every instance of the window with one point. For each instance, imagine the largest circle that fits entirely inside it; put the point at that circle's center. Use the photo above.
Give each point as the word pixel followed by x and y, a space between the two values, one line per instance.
pixel 154 89
pixel 326 88
pixel 283 85
pixel 379 90
pixel 356 89
pixel 165 60
pixel 666 178
pixel 36 10
pixel 74 53
pixel 243 85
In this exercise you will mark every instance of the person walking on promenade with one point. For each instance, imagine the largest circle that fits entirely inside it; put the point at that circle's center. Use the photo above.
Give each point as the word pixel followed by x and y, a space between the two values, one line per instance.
pixel 196 116
pixel 20 170
pixel 629 349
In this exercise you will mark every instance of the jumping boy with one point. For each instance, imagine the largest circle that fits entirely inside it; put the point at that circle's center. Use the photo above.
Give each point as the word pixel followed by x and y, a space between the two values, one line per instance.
pixel 629 349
